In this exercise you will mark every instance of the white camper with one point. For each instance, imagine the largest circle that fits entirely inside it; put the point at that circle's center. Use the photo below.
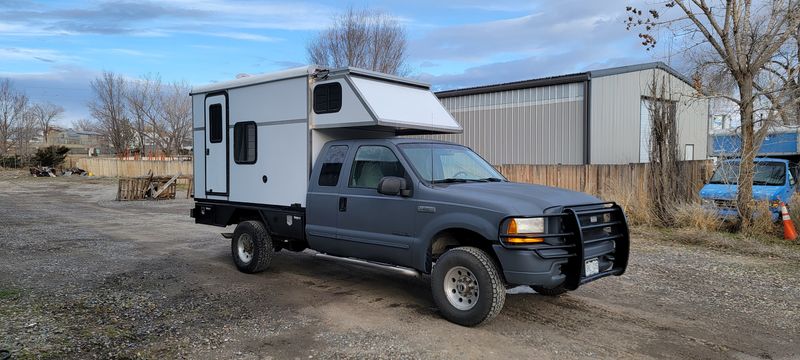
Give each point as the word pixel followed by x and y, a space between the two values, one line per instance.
pixel 256 138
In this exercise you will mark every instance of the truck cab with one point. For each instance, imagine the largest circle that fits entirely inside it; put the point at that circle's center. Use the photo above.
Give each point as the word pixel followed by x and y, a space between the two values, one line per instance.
pixel 318 160
pixel 773 182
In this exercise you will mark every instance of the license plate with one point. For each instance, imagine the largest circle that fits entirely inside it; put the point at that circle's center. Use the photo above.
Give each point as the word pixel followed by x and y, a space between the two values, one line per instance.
pixel 592 267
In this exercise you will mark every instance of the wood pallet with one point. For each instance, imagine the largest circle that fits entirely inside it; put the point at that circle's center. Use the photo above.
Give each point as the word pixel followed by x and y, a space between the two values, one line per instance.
pixel 147 187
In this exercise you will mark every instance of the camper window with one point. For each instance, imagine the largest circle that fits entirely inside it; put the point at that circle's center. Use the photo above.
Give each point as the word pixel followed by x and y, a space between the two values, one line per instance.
pixel 371 164
pixel 215 123
pixel 327 98
pixel 332 165
pixel 244 143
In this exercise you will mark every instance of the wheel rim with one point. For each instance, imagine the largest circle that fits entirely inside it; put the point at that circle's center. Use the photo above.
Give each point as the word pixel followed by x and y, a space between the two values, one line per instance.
pixel 461 288
pixel 245 248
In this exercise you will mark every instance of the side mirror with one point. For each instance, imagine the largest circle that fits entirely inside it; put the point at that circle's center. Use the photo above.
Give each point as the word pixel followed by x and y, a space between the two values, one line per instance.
pixel 393 185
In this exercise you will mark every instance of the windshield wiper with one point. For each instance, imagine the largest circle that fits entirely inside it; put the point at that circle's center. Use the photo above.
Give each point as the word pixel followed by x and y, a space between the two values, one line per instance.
pixel 493 179
pixel 455 180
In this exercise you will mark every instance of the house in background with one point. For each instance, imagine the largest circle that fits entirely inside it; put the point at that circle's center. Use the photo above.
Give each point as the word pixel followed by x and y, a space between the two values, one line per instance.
pixel 593 117
pixel 79 142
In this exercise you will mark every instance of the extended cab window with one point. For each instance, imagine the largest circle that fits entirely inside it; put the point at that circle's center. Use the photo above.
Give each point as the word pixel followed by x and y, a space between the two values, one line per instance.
pixel 371 164
pixel 332 165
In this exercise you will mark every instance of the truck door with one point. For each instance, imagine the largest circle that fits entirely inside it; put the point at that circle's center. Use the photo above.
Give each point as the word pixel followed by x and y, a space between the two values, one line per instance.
pixel 216 109
pixel 373 226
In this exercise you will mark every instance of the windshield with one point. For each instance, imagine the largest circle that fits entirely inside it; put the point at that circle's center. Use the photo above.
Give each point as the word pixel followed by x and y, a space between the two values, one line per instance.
pixel 445 163
pixel 766 173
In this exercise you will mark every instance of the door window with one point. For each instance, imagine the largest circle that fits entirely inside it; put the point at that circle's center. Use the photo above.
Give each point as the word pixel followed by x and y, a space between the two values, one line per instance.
pixel 371 164
pixel 215 123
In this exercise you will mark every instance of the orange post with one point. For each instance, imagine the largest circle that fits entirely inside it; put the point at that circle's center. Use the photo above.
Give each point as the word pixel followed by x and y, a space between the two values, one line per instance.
pixel 789 232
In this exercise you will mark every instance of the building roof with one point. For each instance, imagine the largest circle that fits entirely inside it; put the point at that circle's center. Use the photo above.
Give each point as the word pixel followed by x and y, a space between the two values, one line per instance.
pixel 562 79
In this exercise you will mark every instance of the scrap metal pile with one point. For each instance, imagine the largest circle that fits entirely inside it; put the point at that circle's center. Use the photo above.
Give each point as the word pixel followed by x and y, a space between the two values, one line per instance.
pixel 46 171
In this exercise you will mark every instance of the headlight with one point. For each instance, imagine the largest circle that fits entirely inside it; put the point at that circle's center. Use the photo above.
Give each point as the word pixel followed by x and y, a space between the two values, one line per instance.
pixel 526 230
pixel 775 204
pixel 526 226
pixel 707 202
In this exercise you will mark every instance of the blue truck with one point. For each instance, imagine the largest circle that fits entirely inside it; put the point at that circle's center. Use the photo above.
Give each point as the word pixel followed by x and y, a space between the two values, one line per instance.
pixel 774 177
pixel 773 182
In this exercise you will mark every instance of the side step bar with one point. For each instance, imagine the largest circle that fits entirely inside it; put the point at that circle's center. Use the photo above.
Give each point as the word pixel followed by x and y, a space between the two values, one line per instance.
pixel 398 269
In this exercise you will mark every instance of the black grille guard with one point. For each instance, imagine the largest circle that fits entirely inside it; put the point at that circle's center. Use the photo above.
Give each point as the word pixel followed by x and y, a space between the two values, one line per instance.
pixel 606 225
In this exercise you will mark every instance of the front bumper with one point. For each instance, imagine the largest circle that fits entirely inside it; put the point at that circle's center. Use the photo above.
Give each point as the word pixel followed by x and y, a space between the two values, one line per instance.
pixel 727 210
pixel 585 232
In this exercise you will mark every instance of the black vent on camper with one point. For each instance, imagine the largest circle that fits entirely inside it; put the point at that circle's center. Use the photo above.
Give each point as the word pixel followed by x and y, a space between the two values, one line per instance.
pixel 327 98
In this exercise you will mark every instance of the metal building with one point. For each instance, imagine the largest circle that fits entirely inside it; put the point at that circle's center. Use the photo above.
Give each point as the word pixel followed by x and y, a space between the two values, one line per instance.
pixel 593 117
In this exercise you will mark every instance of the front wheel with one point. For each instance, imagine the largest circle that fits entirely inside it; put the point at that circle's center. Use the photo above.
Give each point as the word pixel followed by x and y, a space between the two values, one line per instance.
pixel 467 286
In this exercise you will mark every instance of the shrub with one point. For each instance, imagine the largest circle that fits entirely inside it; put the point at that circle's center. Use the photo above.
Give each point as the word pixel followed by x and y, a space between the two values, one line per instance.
pixel 52 155
pixel 11 161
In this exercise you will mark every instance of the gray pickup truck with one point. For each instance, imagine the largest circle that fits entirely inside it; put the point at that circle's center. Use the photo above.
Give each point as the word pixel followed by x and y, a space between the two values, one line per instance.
pixel 436 208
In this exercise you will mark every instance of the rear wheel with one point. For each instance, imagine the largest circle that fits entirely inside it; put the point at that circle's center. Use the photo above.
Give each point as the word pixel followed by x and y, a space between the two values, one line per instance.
pixel 467 286
pixel 251 247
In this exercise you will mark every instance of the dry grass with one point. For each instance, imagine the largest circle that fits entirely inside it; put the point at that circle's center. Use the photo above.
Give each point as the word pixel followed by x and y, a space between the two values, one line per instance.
pixel 636 207
pixel 761 246
pixel 694 216
pixel 762 224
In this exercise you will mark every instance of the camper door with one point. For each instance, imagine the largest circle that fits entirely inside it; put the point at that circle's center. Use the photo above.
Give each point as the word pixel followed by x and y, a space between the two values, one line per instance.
pixel 216 144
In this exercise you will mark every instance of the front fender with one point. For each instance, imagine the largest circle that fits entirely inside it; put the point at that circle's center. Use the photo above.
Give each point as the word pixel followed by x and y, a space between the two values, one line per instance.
pixel 452 220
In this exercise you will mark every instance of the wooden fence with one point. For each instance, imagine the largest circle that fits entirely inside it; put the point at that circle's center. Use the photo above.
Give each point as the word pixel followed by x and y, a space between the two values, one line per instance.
pixel 599 180
pixel 607 180
pixel 131 168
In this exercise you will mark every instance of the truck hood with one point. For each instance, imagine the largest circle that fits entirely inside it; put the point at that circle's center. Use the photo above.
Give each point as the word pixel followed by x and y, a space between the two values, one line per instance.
pixel 514 198
pixel 729 192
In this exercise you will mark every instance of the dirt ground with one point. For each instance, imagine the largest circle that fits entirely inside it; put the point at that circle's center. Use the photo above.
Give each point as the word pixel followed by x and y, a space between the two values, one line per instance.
pixel 83 276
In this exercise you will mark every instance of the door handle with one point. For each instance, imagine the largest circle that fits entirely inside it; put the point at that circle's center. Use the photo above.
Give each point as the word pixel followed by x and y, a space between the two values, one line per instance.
pixel 208 151
pixel 342 204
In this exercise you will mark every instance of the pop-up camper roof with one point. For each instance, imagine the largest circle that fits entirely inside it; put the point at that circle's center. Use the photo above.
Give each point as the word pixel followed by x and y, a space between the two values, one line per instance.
pixel 361 99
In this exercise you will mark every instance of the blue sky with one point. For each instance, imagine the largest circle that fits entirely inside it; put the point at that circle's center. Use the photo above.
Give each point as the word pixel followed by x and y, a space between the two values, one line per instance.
pixel 52 49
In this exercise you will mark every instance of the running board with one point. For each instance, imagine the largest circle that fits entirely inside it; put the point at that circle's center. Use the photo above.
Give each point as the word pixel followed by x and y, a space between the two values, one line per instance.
pixel 399 269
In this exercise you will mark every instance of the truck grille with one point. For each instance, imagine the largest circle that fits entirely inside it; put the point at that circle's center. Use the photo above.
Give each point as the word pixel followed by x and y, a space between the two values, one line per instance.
pixel 725 204
pixel 598 232
pixel 580 233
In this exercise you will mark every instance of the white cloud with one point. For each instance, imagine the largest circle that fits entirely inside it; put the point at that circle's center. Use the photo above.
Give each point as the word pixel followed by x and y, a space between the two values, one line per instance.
pixel 31 54
pixel 64 85
pixel 553 26
pixel 242 36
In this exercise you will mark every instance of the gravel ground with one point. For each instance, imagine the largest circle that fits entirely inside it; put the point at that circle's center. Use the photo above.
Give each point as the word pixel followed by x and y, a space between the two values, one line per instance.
pixel 83 276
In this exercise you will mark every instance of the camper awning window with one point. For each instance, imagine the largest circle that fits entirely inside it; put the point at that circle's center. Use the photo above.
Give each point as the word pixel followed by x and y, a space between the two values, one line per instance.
pixel 405 106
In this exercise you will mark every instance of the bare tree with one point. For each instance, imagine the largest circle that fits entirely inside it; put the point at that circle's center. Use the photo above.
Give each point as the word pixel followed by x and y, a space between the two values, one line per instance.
pixel 177 106
pixel 362 38
pixel 663 172
pixel 108 108
pixel 45 114
pixel 739 41
pixel 784 70
pixel 144 104
pixel 84 125
pixel 13 107
pixel 25 131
